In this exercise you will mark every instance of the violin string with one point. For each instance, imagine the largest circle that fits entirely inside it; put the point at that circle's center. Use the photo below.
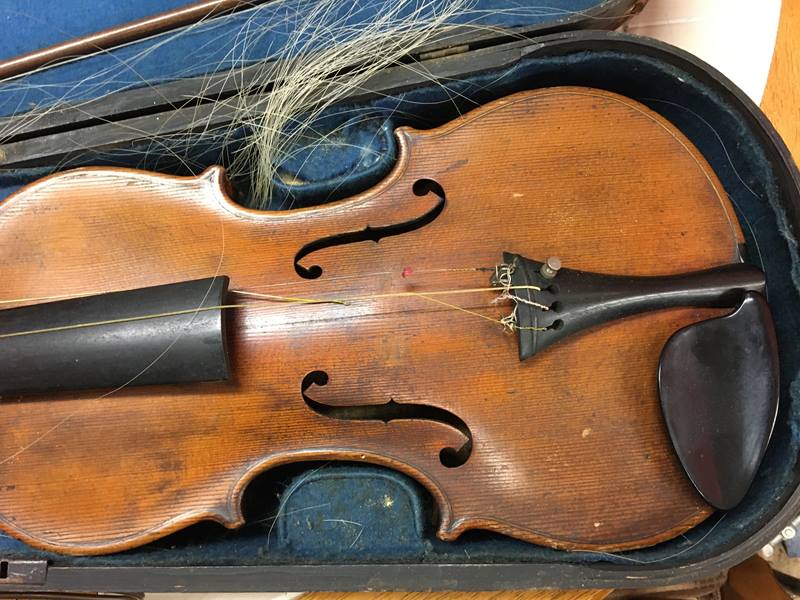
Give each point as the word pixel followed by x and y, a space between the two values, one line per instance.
pixel 695 155
pixel 741 215
pixel 623 557
pixel 48 298
pixel 36 299
pixel 289 299
pixel 373 275
pixel 507 323
pixel 345 300
pixel 296 300
pixel 174 313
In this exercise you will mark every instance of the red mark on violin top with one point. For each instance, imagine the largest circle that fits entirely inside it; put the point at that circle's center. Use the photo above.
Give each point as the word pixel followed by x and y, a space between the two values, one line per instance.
pixel 407 272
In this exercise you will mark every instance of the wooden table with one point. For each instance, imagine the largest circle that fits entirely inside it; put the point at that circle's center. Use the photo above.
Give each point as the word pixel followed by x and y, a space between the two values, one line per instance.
pixel 782 97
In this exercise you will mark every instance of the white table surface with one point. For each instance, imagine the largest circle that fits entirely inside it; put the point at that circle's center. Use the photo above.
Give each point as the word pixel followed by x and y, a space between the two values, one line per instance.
pixel 735 36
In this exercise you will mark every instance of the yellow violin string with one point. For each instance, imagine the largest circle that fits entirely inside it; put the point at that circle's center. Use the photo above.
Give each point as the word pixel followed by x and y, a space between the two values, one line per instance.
pixel 287 283
pixel 42 298
pixel 173 313
pixel 294 300
pixel 288 299
pixel 345 300
pixel 461 308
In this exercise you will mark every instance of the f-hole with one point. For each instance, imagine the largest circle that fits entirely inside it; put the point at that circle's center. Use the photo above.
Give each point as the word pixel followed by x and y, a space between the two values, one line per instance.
pixel 421 187
pixel 392 411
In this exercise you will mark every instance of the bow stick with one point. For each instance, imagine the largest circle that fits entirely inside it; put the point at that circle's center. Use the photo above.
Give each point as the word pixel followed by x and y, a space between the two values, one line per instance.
pixel 120 34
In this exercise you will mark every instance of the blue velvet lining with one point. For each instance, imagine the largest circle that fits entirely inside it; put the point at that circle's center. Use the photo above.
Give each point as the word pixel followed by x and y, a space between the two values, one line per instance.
pixel 337 513
pixel 214 45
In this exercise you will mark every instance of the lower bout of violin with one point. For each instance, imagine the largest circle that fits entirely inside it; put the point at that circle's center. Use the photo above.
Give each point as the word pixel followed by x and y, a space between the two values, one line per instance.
pixel 95 485
pixel 56 531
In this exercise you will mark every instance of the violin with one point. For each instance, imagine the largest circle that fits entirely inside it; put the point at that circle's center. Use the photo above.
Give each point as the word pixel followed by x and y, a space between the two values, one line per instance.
pixel 534 315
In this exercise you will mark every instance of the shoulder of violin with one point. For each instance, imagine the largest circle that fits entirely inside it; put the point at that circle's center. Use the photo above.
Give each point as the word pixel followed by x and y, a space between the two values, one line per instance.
pixel 338 351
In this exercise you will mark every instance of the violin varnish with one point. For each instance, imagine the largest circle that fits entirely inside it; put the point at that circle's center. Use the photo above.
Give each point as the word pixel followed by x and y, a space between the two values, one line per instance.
pixel 347 349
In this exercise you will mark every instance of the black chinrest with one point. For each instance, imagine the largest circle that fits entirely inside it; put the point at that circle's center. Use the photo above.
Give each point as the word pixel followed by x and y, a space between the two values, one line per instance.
pixel 718 384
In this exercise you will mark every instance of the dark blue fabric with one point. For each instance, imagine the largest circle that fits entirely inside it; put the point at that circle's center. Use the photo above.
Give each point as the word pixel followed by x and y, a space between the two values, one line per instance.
pixel 336 513
pixel 30 25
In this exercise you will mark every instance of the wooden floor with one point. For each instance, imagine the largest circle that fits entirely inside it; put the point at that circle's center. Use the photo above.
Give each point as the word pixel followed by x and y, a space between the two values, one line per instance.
pixel 782 105
pixel 522 595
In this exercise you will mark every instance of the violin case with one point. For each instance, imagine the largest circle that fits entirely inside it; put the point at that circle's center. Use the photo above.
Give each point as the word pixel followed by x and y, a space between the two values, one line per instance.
pixel 326 526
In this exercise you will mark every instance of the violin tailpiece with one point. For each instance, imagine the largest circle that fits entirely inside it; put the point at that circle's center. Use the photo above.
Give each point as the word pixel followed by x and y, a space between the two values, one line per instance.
pixel 552 303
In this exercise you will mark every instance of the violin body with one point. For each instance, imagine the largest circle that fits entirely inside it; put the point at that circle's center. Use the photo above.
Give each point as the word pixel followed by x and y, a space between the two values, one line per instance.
pixel 567 449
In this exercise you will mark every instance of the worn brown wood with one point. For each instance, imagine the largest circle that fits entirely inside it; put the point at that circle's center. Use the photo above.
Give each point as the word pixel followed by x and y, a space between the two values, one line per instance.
pixel 569 447
pixel 753 580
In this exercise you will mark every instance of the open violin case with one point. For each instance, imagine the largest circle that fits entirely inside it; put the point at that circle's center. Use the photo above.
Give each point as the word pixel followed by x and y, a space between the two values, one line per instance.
pixel 343 526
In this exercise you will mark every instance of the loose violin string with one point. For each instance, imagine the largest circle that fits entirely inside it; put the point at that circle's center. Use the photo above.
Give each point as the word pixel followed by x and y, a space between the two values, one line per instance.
pixel 295 300
pixel 506 322
pixel 641 561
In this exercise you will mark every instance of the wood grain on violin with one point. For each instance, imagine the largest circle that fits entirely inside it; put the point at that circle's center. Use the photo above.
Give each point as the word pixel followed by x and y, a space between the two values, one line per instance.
pixel 566 449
